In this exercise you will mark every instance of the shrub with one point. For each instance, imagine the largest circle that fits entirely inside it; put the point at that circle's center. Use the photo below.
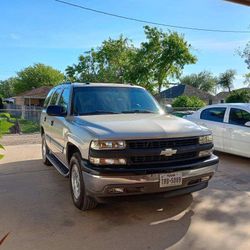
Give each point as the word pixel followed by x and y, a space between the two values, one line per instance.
pixel 188 102
pixel 242 96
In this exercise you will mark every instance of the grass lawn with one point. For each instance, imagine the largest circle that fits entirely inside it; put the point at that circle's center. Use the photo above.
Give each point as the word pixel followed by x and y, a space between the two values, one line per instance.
pixel 28 126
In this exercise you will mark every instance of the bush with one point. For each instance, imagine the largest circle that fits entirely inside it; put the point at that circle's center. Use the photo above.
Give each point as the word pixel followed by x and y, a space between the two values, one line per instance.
pixel 242 96
pixel 188 102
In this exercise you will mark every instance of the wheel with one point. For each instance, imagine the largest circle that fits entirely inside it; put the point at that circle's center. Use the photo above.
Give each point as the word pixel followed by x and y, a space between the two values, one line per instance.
pixel 45 151
pixel 79 197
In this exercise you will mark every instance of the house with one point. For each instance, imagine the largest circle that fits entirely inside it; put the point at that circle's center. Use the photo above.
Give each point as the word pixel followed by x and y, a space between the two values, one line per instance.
pixel 222 96
pixel 33 97
pixel 170 94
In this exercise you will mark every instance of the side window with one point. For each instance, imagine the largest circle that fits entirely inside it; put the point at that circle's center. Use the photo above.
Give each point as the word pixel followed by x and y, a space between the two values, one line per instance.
pixel 64 99
pixel 213 114
pixel 55 97
pixel 238 117
pixel 46 102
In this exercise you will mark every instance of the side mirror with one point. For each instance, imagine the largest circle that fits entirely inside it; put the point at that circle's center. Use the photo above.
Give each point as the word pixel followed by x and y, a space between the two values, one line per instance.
pixel 247 124
pixel 169 109
pixel 55 110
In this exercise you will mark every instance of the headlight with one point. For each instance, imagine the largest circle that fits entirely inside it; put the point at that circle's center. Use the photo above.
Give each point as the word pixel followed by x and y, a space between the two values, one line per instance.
pixel 205 139
pixel 104 145
pixel 107 161
pixel 205 153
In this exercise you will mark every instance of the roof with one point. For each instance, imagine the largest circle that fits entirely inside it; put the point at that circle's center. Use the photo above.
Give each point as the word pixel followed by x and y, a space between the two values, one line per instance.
pixel 245 2
pixel 225 94
pixel 183 89
pixel 40 92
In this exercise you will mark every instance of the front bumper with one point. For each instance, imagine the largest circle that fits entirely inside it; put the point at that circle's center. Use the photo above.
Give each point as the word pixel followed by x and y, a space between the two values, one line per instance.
pixel 193 179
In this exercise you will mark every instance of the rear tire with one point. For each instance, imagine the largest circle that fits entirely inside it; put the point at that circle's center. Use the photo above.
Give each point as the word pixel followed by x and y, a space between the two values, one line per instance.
pixel 80 199
pixel 45 151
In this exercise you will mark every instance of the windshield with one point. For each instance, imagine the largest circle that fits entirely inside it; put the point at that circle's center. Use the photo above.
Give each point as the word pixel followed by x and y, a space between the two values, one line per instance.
pixel 113 100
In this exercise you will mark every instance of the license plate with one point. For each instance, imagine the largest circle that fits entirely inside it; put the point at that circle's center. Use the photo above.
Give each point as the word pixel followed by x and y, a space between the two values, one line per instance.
pixel 170 179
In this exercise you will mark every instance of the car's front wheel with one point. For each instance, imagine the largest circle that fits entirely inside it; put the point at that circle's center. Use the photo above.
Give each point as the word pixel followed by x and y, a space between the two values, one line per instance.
pixel 79 196
pixel 45 151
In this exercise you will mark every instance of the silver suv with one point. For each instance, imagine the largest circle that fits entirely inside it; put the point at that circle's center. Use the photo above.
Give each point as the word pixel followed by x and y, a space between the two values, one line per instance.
pixel 114 140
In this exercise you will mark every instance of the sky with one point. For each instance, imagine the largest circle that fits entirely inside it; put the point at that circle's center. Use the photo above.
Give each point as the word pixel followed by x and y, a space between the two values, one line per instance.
pixel 45 31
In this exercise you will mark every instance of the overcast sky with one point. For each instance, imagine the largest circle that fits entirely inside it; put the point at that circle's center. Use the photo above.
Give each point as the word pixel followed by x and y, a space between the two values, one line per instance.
pixel 45 31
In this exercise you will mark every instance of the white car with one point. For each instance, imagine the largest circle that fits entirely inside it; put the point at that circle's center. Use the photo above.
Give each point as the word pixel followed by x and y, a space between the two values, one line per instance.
pixel 230 124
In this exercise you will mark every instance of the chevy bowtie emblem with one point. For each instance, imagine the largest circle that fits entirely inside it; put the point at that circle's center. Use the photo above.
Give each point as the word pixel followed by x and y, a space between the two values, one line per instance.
pixel 168 152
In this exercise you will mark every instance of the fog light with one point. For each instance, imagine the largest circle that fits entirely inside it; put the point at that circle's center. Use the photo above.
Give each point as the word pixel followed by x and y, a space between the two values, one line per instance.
pixel 205 178
pixel 107 161
pixel 205 153
pixel 116 190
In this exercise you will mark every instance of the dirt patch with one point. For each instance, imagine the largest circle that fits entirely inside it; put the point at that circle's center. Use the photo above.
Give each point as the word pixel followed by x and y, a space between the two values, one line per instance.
pixel 17 139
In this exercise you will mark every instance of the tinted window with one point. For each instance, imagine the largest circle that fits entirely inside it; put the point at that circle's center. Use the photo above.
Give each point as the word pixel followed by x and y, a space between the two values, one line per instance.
pixel 238 116
pixel 213 114
pixel 103 100
pixel 64 99
pixel 55 97
pixel 46 102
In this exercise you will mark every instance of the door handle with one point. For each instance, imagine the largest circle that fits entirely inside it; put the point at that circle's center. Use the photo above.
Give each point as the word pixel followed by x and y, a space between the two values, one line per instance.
pixel 45 118
pixel 52 123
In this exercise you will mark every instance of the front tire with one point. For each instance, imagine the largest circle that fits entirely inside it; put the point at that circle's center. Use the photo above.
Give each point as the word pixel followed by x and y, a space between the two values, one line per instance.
pixel 45 151
pixel 78 193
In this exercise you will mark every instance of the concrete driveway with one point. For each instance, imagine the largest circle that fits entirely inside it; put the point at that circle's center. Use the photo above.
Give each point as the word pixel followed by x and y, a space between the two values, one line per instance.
pixel 36 208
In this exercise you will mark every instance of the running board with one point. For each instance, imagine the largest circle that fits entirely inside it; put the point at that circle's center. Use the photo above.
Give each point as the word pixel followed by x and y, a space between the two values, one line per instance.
pixel 58 165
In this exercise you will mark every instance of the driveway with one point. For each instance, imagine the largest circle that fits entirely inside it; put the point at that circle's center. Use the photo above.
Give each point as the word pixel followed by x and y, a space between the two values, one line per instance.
pixel 36 208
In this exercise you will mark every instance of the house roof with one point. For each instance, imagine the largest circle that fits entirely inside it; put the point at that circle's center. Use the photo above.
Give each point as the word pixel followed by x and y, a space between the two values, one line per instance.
pixel 246 2
pixel 40 92
pixel 224 94
pixel 182 89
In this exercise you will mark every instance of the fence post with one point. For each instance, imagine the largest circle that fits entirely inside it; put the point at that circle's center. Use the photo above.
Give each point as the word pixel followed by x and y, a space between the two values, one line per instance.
pixel 23 112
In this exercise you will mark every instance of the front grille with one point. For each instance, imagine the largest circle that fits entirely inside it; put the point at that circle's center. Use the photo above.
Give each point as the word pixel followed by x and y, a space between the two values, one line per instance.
pixel 162 158
pixel 162 143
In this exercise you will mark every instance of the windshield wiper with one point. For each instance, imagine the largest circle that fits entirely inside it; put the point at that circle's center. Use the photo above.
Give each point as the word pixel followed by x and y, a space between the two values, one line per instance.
pixel 99 112
pixel 137 111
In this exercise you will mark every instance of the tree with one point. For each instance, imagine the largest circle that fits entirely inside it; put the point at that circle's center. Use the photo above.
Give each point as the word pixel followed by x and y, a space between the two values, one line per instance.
pixel 7 87
pixel 161 57
pixel 247 79
pixel 245 54
pixel 204 81
pixel 226 79
pixel 108 63
pixel 239 96
pixel 188 102
pixel 36 76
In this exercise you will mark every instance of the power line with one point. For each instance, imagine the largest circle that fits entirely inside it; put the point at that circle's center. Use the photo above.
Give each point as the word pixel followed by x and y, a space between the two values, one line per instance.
pixel 151 22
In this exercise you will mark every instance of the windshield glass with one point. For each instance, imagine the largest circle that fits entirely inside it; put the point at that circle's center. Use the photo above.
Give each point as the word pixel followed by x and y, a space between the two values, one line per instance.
pixel 113 100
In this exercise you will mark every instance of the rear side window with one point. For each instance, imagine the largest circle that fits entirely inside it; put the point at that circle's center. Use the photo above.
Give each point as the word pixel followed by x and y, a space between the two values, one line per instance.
pixel 55 97
pixel 213 114
pixel 238 117
pixel 46 102
pixel 64 99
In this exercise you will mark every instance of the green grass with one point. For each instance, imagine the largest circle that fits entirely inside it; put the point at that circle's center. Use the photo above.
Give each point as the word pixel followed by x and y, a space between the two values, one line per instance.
pixel 28 126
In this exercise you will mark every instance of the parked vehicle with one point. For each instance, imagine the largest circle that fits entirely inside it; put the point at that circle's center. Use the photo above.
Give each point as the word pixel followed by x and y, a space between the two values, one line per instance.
pixel 230 124
pixel 114 140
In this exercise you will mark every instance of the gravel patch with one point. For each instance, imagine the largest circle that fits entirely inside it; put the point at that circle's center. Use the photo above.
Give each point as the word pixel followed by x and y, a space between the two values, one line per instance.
pixel 17 139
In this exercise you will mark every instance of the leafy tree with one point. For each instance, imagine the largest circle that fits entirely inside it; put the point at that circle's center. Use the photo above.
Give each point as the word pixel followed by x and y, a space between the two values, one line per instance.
pixel 7 87
pixel 36 76
pixel 204 81
pixel 239 96
pixel 247 79
pixel 245 54
pixel 161 57
pixel 226 79
pixel 188 102
pixel 108 63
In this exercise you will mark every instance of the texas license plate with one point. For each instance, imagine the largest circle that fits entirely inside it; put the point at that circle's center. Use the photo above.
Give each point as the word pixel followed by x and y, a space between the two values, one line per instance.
pixel 170 179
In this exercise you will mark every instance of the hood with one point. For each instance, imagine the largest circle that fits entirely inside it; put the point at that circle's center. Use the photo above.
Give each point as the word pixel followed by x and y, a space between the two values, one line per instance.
pixel 138 126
